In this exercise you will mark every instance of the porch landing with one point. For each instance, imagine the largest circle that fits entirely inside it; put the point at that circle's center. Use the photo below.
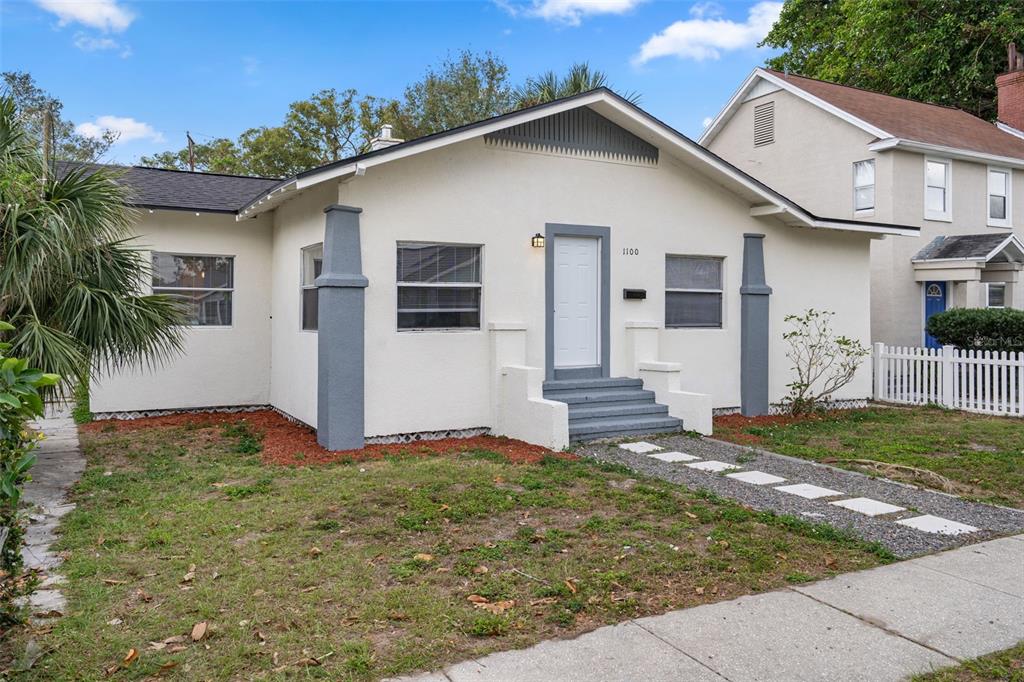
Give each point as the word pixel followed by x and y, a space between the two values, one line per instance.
pixel 610 407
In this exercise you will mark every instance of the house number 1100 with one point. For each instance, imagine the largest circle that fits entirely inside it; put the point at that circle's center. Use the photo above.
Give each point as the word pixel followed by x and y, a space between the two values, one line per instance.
pixel 631 252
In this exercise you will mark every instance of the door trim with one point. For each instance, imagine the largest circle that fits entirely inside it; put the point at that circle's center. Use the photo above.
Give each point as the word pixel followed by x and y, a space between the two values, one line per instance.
pixel 603 234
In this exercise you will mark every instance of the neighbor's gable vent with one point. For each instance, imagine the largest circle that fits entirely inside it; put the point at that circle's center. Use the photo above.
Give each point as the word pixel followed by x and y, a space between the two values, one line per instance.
pixel 764 124
pixel 577 132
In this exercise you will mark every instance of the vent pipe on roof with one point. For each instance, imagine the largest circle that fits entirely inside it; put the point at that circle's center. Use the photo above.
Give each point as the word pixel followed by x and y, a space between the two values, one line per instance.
pixel 384 139
pixel 1010 87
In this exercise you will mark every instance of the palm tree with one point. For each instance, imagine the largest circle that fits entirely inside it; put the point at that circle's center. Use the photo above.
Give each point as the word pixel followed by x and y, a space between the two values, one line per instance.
pixel 548 86
pixel 70 277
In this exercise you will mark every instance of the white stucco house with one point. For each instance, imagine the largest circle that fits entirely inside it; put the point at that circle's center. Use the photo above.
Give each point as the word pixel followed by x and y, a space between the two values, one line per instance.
pixel 568 271
pixel 859 155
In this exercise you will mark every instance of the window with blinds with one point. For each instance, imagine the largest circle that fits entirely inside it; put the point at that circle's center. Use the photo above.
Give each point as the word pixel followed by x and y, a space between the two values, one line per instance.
pixel 764 124
pixel 203 284
pixel 438 286
pixel 693 291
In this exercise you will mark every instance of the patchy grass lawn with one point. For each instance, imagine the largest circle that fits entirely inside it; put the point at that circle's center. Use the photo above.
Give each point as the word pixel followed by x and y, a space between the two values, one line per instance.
pixel 365 569
pixel 1005 666
pixel 981 457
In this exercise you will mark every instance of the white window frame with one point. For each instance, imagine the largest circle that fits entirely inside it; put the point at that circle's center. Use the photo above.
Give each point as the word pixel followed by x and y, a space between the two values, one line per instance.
pixel 439 285
pixel 874 188
pixel 303 286
pixel 988 294
pixel 1008 220
pixel 947 215
pixel 720 291
pixel 173 290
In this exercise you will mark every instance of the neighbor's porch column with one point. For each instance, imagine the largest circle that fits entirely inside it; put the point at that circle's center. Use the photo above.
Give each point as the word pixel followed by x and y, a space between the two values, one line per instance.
pixel 754 341
pixel 340 342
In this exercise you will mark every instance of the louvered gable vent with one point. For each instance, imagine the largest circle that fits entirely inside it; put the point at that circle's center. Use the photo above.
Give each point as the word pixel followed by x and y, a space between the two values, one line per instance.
pixel 764 124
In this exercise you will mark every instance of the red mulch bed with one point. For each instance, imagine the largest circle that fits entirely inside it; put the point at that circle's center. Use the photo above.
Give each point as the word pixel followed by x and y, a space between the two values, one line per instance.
pixel 288 443
pixel 732 427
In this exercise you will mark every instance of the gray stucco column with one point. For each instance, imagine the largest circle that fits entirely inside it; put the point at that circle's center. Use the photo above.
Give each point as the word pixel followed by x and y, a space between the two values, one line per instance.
pixel 340 343
pixel 754 299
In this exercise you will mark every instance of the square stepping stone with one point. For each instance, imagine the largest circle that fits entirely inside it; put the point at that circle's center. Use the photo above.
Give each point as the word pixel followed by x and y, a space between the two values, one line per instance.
pixel 808 491
pixel 713 465
pixel 756 477
pixel 936 524
pixel 640 447
pixel 867 506
pixel 674 457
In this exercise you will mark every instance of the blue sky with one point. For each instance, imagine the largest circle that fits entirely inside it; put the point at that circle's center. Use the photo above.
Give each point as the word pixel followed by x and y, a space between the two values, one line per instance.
pixel 155 69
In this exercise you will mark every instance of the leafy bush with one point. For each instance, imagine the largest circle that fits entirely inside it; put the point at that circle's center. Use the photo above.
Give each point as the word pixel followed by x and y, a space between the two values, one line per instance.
pixel 995 329
pixel 823 362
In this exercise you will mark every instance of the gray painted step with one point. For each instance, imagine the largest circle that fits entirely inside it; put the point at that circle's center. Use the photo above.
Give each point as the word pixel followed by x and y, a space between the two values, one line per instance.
pixel 617 409
pixel 586 427
pixel 577 384
pixel 600 396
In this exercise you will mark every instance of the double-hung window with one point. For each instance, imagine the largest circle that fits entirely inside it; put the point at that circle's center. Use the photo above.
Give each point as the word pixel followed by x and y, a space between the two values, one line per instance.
pixel 864 185
pixel 693 291
pixel 996 295
pixel 204 283
pixel 938 185
pixel 438 286
pixel 999 184
pixel 312 264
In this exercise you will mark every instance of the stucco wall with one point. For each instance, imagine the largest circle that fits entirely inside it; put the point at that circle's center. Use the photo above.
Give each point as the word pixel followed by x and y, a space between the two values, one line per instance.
pixel 474 194
pixel 220 365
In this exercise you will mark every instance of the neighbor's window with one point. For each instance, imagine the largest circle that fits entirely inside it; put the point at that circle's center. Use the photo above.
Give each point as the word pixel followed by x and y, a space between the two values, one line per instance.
pixel 312 264
pixel 864 185
pixel 205 283
pixel 937 189
pixel 438 286
pixel 999 184
pixel 693 291
pixel 996 295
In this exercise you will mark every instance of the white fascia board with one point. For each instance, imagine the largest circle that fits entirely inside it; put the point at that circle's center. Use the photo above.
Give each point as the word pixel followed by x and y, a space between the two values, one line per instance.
pixel 825 223
pixel 948 152
pixel 1011 240
pixel 266 202
pixel 737 100
pixel 1007 128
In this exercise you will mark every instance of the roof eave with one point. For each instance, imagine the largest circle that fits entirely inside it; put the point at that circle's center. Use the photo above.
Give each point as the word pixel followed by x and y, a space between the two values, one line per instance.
pixel 945 151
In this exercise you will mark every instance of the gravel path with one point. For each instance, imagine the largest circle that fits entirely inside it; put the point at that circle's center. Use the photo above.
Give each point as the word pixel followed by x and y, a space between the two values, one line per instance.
pixel 901 540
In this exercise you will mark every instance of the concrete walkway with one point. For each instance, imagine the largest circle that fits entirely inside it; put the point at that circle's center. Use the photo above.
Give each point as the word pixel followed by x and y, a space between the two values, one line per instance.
pixel 58 466
pixel 881 624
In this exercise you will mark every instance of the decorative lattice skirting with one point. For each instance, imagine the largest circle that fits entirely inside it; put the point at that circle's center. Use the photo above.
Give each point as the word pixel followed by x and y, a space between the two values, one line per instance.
pixel 779 408
pixel 428 435
pixel 140 414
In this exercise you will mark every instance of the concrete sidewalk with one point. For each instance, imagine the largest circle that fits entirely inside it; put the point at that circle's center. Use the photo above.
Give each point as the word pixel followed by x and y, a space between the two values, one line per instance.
pixel 881 624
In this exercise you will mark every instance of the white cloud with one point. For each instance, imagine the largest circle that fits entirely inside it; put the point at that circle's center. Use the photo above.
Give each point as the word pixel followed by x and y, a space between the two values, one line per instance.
pixel 106 15
pixel 704 38
pixel 706 122
pixel 570 12
pixel 88 43
pixel 127 129
pixel 707 10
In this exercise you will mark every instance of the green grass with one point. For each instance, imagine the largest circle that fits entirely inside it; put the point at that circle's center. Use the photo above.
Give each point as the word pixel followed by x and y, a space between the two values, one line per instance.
pixel 367 567
pixel 1004 666
pixel 981 456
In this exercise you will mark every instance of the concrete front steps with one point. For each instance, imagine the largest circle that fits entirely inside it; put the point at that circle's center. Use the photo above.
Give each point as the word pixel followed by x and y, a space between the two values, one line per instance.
pixel 605 408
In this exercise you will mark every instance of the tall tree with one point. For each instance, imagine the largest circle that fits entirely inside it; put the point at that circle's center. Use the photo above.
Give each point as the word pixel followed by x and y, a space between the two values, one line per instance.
pixel 939 51
pixel 69 276
pixel 549 86
pixel 219 155
pixel 34 105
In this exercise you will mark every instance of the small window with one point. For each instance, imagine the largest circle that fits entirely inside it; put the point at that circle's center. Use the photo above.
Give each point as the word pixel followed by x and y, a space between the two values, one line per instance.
pixel 996 295
pixel 864 185
pixel 764 124
pixel 937 190
pixel 312 266
pixel 205 283
pixel 999 183
pixel 693 292
pixel 438 286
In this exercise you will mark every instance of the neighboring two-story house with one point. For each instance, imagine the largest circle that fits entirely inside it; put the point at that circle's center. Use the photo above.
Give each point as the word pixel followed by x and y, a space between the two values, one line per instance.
pixel 842 151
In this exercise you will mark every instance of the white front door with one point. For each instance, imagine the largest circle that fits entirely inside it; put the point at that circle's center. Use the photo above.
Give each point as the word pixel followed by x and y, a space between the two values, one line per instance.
pixel 577 292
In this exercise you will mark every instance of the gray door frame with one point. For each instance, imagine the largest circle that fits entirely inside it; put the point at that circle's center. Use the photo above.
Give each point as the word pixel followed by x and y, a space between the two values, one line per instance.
pixel 603 235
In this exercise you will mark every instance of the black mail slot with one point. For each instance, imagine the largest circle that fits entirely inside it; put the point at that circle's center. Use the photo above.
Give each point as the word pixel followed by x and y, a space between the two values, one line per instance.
pixel 634 294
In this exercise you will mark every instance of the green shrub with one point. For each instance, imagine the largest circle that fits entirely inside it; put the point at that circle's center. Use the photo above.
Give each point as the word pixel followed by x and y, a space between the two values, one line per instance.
pixel 993 329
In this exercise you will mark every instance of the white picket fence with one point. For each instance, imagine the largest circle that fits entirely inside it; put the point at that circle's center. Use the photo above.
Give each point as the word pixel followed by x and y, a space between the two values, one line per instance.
pixel 988 382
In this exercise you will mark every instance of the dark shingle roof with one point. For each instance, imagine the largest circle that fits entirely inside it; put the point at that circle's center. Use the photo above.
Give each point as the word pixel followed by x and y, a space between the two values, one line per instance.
pixel 970 246
pixel 184 190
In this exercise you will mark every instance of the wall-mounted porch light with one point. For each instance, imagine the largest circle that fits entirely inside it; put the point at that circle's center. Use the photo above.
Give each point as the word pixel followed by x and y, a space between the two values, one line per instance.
pixel 537 241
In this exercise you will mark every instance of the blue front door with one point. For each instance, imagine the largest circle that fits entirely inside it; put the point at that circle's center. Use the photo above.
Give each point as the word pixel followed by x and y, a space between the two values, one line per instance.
pixel 934 302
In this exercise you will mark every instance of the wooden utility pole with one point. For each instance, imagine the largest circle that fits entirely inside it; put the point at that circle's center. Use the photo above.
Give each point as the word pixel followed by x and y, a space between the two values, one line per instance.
pixel 191 152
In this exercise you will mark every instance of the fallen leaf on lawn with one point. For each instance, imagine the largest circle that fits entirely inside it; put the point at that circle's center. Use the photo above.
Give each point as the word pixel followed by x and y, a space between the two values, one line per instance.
pixel 543 601
pixel 52 613
pixel 130 657
pixel 260 636
pixel 176 648
pixel 309 589
pixel 442 569
pixel 781 556
pixel 699 590
pixel 423 556
pixel 114 621
pixel 168 666
pixel 215 575
pixel 714 589
pixel 498 607
pixel 143 595
pixel 111 669
pixel 199 631
pixel 218 484
pixel 477 599
pixel 571 586
pixel 830 561
pixel 259 593
pixel 315 551
pixel 111 581
pixel 480 570
pixel 724 543
pixel 690 515
pixel 190 574
pixel 443 507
